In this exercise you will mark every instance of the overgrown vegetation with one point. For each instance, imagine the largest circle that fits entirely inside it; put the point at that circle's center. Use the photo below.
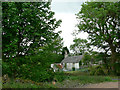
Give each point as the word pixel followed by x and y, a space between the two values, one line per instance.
pixel 98 70
pixel 30 44
pixel 19 83
pixel 60 79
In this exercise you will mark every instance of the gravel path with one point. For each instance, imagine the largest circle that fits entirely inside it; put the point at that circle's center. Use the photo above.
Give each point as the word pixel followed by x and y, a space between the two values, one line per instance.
pixel 103 85
pixel 77 84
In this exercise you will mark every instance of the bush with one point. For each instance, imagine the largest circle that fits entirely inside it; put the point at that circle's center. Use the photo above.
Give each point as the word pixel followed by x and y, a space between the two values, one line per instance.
pixel 6 69
pixel 33 67
pixel 117 69
pixel 59 76
pixel 39 74
pixel 98 70
pixel 28 69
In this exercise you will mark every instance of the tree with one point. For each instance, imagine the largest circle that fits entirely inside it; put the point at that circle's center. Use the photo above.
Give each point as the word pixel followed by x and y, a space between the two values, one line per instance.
pixel 52 49
pixel 101 21
pixel 80 46
pixel 56 44
pixel 30 44
pixel 86 58
pixel 26 26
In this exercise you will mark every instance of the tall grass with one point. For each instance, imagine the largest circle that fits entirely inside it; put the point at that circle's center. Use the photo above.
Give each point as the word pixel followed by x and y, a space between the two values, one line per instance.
pixel 73 76
pixel 84 77
pixel 20 85
pixel 27 84
pixel 90 79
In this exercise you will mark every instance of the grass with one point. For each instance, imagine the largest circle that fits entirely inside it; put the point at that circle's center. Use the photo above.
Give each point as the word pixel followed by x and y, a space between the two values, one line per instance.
pixel 77 79
pixel 85 78
pixel 13 84
pixel 90 79
pixel 72 77
pixel 76 73
pixel 20 85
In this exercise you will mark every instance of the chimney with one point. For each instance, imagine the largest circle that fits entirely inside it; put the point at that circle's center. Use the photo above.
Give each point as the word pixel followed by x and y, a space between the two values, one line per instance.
pixel 66 54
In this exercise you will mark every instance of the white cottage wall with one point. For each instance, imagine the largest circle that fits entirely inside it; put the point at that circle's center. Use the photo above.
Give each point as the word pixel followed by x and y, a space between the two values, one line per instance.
pixel 69 66
pixel 73 65
pixel 76 65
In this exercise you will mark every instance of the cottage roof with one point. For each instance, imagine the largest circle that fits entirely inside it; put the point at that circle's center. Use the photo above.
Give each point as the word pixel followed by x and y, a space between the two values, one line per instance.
pixel 72 59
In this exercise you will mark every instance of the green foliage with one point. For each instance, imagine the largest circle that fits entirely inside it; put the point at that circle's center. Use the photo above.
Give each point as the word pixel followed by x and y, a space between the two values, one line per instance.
pixel 84 70
pixel 76 73
pixel 30 44
pixel 36 68
pixel 6 68
pixel 86 59
pixel 59 76
pixel 71 76
pixel 101 21
pixel 117 69
pixel 90 79
pixel 80 46
pixel 65 65
pixel 20 85
pixel 98 70
pixel 25 23
pixel 41 75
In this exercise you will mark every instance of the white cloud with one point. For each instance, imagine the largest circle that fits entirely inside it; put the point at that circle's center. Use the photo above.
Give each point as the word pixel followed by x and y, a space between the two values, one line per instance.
pixel 67 26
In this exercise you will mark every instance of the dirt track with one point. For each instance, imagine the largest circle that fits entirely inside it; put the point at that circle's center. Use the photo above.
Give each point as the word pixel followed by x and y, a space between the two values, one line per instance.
pixel 103 85
pixel 76 84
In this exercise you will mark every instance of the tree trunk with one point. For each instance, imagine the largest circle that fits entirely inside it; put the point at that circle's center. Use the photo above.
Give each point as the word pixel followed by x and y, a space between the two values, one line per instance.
pixel 113 57
pixel 106 63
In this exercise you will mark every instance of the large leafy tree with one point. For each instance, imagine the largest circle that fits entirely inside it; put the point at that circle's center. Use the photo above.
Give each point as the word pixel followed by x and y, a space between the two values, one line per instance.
pixel 101 20
pixel 30 43
pixel 26 26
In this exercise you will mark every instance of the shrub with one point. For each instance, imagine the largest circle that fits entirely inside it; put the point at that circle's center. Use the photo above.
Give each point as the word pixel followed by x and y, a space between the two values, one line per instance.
pixel 39 74
pixel 6 69
pixel 27 70
pixel 59 76
pixel 34 67
pixel 98 70
pixel 117 69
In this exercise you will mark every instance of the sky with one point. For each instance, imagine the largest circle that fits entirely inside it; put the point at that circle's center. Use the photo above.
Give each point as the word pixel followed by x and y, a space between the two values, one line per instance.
pixel 66 10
